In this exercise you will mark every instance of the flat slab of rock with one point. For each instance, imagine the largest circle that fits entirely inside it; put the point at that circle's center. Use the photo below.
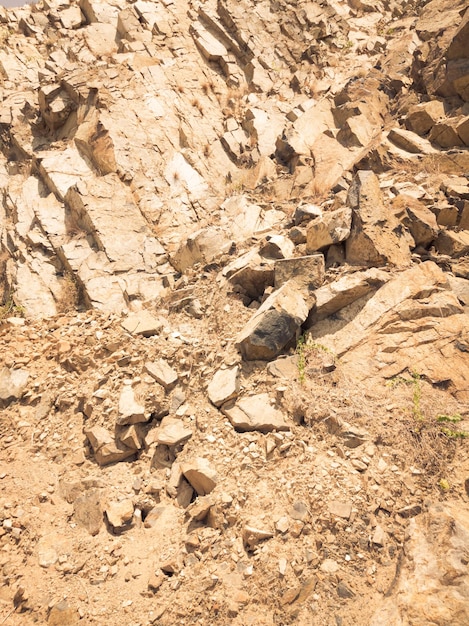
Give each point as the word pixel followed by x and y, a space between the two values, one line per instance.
pixel 275 323
pixel 224 385
pixel 201 475
pixel 130 410
pixel 162 372
pixel 172 432
pixel 308 271
pixel 12 385
pixel 410 142
pixel 143 323
pixel 255 413
pixel 331 228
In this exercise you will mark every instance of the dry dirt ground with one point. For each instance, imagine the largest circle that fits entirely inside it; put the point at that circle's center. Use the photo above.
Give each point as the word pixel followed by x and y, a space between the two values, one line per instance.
pixel 332 498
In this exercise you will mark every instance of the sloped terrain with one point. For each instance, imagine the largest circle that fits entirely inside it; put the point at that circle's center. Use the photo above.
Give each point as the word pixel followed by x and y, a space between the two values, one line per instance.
pixel 233 247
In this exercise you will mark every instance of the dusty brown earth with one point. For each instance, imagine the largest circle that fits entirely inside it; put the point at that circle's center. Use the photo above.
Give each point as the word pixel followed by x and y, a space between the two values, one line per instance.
pixel 234 373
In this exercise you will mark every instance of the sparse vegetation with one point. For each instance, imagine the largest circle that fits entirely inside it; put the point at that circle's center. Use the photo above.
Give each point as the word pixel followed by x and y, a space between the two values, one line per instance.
pixel 69 294
pixel 10 309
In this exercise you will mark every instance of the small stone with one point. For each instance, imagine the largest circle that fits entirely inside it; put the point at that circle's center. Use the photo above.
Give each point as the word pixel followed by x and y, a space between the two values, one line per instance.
pixel 282 525
pixel 299 511
pixel 120 514
pixel 172 432
pixel 253 534
pixel 410 511
pixel 12 385
pixel 255 413
pixel 379 536
pixel 162 372
pixel 155 580
pixel 282 566
pixel 223 386
pixel 130 411
pixel 200 474
pixel 63 615
pixel 143 323
pixel 329 566
pixel 153 516
pixel 344 592
pixel 340 509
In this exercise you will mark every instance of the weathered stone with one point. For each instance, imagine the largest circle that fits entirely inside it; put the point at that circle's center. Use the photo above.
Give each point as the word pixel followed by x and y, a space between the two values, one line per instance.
pixel 105 449
pixel 307 271
pixel 252 273
pixel 130 437
pixel 203 246
pixel 422 117
pixel 376 237
pixel 275 323
pixel 340 509
pixel 88 510
pixel 432 560
pixel 153 516
pixel 201 475
pixel 172 432
pixel 444 134
pixel 307 212
pixel 277 247
pixel 224 385
pixel 62 614
pixel 120 514
pixel 13 383
pixel 143 323
pixel 329 229
pixel 162 372
pixel 462 129
pixel 410 142
pixel 255 413
pixel 454 244
pixel 417 218
pixel 342 292
pixel 130 410
pixel 253 534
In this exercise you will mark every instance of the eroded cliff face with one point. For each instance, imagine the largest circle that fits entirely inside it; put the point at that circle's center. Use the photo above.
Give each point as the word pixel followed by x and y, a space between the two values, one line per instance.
pixel 234 276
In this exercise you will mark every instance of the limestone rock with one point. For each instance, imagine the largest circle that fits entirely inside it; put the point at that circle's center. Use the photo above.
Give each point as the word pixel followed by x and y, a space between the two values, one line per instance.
pixel 445 134
pixel 307 271
pixel 130 410
pixel 329 229
pixel 422 117
pixel 62 614
pixel 432 561
pixel 143 323
pixel 202 246
pixel 417 218
pixel 255 413
pixel 162 372
pixel 120 514
pixel 105 449
pixel 410 142
pixel 254 534
pixel 275 323
pixel 376 237
pixel 88 510
pixel 452 243
pixel 172 432
pixel 342 292
pixel 13 383
pixel 201 475
pixel 224 385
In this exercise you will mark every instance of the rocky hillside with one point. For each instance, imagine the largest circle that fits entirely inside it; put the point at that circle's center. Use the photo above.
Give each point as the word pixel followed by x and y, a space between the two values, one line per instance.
pixel 234 280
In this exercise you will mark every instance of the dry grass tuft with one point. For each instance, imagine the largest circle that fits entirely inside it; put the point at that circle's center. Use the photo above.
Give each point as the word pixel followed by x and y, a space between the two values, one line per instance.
pixel 69 295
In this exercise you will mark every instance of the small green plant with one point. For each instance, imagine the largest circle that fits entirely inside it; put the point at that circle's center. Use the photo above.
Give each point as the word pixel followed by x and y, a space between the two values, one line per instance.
pixel 449 429
pixel 444 485
pixel 11 309
pixel 416 397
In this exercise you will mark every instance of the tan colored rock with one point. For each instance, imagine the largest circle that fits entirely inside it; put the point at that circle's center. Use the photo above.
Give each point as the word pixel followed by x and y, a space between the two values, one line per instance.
pixel 105 449
pixel 130 410
pixel 202 246
pixel 462 129
pixel 162 372
pixel 120 514
pixel 376 237
pixel 224 385
pixel 13 384
pixel 410 142
pixel 307 271
pixel 422 117
pixel 329 229
pixel 254 533
pixel 201 475
pixel 275 323
pixel 255 413
pixel 417 218
pixel 62 614
pixel 454 244
pixel 143 323
pixel 172 432
pixel 88 510
pixel 432 561
pixel 445 134
pixel 340 293
pixel 340 509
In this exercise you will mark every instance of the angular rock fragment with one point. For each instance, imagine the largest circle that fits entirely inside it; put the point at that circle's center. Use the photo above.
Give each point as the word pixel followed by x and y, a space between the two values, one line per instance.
pixel 105 449
pixel 255 413
pixel 162 372
pixel 12 385
pixel 253 534
pixel 329 229
pixel 203 246
pixel 224 385
pixel 377 238
pixel 275 323
pixel 120 514
pixel 130 410
pixel 410 142
pixel 88 510
pixel 172 432
pixel 201 475
pixel 143 323
pixel 307 271
pixel 422 117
